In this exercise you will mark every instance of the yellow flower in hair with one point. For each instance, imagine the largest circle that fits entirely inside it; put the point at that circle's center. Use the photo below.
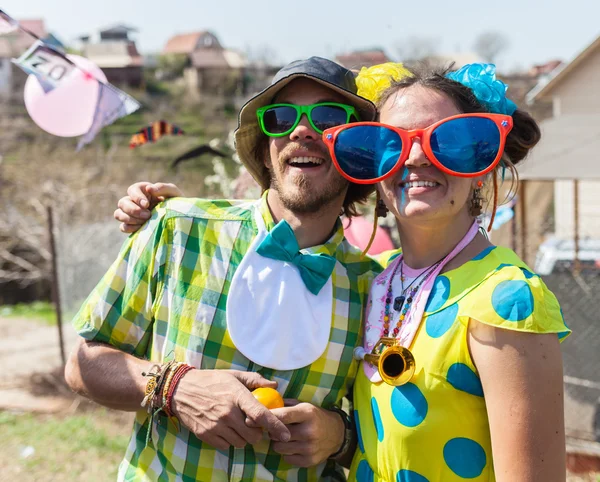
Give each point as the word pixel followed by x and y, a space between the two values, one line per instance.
pixel 373 81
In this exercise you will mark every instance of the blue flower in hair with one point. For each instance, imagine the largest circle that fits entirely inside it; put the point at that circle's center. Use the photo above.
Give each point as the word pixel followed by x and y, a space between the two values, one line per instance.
pixel 491 92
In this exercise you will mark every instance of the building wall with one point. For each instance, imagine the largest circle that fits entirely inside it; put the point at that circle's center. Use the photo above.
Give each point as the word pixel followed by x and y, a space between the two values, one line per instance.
pixel 214 81
pixel 589 209
pixel 577 93
pixel 192 82
pixel 129 76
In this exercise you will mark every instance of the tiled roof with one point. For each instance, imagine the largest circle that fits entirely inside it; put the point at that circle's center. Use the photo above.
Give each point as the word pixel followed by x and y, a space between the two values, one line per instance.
pixel 183 43
pixel 363 58
pixel 35 26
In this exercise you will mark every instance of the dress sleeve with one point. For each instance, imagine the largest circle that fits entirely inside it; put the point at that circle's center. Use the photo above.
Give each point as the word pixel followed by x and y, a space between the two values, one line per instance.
pixel 514 298
pixel 120 310
pixel 386 257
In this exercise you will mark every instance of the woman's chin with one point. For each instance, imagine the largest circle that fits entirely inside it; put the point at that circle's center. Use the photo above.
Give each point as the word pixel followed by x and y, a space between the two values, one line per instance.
pixel 418 210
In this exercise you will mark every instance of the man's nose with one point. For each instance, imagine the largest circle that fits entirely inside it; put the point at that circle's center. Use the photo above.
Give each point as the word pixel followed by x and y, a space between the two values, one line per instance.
pixel 304 131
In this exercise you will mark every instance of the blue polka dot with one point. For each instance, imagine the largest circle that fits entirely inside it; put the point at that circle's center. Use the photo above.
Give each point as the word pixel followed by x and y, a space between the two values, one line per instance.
pixel 440 322
pixel 440 292
pixel 528 274
pixel 409 405
pixel 461 377
pixel 377 419
pixel 563 334
pixel 358 432
pixel 364 473
pixel 503 265
pixel 484 253
pixel 465 457
pixel 512 300
pixel 409 476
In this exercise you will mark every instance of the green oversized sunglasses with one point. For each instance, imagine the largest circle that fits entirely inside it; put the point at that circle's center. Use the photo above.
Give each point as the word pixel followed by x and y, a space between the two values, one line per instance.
pixel 278 120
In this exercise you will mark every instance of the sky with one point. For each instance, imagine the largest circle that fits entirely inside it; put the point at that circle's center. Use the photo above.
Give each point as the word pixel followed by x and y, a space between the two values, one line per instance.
pixel 537 30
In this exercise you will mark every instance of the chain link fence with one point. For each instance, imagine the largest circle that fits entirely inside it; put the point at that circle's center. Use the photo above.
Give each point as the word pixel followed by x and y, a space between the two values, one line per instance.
pixel 575 280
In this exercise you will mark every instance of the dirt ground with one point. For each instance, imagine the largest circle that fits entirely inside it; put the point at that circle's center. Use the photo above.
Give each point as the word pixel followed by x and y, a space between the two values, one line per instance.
pixel 31 365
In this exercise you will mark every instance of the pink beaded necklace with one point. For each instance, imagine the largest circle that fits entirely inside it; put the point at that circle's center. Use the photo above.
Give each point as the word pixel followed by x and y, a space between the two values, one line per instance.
pixel 403 302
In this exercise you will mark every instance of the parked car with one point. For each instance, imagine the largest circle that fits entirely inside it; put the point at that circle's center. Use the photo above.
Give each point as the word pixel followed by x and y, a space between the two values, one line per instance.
pixel 555 253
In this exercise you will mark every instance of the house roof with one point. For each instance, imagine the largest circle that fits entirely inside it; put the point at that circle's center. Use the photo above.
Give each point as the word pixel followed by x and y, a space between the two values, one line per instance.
pixel 456 59
pixel 36 26
pixel 362 58
pixel 569 149
pixel 545 68
pixel 545 87
pixel 15 43
pixel 113 54
pixel 235 59
pixel 119 28
pixel 185 43
pixel 213 58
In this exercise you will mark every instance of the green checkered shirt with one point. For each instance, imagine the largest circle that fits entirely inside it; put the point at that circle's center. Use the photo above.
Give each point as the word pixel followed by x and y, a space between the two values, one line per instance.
pixel 165 296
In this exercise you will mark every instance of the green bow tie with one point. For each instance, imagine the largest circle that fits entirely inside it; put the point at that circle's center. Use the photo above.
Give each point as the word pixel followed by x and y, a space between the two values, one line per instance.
pixel 281 244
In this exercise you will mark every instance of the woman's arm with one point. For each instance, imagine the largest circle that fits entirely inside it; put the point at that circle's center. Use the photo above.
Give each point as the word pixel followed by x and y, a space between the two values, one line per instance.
pixel 522 380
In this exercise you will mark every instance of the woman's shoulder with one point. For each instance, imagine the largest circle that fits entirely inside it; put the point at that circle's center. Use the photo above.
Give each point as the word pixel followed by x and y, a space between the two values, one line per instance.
pixel 506 293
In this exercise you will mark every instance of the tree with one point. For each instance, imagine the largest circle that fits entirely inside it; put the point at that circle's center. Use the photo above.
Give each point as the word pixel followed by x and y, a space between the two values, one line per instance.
pixel 489 45
pixel 415 48
pixel 172 66
pixel 262 56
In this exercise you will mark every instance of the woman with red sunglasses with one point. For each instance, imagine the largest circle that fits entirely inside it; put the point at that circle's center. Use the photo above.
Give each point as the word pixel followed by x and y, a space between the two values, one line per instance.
pixel 462 371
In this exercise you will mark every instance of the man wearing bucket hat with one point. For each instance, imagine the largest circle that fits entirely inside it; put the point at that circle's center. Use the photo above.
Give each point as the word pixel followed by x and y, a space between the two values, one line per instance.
pixel 212 299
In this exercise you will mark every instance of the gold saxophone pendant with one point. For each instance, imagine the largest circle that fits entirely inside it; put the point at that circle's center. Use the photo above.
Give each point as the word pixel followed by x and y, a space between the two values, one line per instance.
pixel 396 364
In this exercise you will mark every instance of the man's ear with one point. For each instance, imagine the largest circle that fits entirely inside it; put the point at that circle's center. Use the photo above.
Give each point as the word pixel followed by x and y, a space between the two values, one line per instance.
pixel 263 149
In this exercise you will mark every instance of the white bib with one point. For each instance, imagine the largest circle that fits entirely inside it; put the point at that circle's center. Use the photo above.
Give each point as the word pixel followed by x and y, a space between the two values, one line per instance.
pixel 272 318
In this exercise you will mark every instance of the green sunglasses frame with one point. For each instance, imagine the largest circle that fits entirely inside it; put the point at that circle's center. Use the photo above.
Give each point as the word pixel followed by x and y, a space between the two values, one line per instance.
pixel 300 111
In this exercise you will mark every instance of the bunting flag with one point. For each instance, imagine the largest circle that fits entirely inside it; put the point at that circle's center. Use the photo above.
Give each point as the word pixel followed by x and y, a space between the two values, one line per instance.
pixel 112 105
pixel 7 24
pixel 52 67
pixel 154 132
pixel 49 65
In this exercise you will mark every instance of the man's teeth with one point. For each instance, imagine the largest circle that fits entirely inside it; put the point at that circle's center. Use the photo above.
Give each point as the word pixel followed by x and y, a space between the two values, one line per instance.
pixel 305 160
pixel 410 184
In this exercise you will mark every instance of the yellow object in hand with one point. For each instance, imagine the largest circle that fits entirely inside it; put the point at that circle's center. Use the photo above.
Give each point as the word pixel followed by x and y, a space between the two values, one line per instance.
pixel 269 397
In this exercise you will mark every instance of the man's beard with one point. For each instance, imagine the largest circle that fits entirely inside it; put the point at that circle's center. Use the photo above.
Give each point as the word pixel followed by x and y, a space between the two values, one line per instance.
pixel 306 199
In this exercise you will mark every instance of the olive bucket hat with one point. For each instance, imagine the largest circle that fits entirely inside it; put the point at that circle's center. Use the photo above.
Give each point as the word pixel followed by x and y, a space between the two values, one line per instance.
pixel 325 72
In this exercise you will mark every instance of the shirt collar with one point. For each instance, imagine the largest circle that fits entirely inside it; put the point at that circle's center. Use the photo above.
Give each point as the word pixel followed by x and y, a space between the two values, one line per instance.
pixel 329 247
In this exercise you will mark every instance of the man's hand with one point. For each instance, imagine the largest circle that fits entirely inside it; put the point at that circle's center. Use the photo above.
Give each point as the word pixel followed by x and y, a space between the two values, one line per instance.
pixel 134 209
pixel 316 433
pixel 214 405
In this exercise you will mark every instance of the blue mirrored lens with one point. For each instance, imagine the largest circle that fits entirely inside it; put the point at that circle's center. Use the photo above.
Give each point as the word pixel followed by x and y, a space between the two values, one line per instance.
pixel 326 116
pixel 278 120
pixel 367 152
pixel 466 145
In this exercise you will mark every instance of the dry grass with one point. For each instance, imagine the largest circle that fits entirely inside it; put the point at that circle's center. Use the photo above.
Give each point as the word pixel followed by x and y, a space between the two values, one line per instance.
pixel 86 446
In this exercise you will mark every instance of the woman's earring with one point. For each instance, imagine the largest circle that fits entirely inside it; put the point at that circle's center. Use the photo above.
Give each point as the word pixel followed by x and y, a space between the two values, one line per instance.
pixel 476 201
pixel 381 209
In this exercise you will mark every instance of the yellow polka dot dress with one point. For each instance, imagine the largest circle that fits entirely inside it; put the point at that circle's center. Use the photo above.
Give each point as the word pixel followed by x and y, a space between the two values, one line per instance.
pixel 435 428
